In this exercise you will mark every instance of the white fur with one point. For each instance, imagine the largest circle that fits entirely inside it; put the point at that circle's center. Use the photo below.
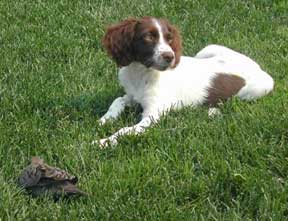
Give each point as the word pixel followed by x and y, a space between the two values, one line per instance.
pixel 159 91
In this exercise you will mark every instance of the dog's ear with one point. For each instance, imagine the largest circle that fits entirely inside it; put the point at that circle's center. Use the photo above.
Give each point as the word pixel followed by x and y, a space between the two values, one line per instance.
pixel 176 43
pixel 118 41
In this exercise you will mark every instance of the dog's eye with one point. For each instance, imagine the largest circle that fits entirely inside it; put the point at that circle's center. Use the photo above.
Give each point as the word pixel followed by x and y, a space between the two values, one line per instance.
pixel 169 38
pixel 148 37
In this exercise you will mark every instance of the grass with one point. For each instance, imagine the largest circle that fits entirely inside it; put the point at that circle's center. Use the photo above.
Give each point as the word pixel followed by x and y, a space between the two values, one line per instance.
pixel 56 81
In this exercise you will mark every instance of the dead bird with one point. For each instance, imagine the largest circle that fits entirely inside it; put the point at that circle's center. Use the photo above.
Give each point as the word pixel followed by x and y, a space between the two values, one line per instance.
pixel 41 179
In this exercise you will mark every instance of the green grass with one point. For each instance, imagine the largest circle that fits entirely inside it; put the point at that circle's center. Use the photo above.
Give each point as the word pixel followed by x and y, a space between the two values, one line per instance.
pixel 56 81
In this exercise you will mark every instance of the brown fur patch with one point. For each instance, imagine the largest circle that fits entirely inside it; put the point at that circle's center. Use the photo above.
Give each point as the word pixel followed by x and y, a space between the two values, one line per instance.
pixel 118 41
pixel 223 87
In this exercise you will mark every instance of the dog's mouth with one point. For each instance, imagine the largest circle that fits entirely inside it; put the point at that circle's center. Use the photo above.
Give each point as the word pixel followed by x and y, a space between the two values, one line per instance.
pixel 160 66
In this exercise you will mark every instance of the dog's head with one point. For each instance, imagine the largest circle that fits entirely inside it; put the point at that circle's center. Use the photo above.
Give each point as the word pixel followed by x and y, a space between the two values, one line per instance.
pixel 153 42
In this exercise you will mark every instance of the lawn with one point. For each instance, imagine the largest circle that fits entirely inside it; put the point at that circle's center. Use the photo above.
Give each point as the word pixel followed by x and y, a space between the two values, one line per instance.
pixel 56 81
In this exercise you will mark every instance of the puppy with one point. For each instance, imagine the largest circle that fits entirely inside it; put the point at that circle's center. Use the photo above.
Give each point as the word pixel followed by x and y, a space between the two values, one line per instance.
pixel 155 75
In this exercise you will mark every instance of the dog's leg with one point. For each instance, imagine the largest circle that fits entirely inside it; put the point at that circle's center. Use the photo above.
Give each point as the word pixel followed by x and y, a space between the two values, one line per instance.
pixel 212 51
pixel 216 50
pixel 116 108
pixel 136 129
pixel 226 54
pixel 259 84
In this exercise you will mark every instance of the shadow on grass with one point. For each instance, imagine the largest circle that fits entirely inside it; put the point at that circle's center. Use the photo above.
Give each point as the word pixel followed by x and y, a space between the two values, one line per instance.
pixel 77 107
pixel 96 105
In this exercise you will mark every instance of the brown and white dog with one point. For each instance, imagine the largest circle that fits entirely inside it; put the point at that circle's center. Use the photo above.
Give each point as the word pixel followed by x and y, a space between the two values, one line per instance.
pixel 155 75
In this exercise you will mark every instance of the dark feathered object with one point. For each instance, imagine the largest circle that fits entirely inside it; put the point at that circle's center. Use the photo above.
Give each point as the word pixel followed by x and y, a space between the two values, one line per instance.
pixel 39 179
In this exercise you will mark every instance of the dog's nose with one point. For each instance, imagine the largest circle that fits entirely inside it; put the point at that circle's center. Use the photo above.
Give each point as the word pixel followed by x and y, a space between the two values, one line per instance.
pixel 168 56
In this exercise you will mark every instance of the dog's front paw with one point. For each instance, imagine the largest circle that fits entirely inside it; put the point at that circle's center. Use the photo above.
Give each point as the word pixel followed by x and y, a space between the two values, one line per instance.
pixel 102 121
pixel 104 143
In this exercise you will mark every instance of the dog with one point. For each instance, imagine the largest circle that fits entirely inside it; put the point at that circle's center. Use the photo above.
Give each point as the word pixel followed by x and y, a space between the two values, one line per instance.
pixel 155 74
